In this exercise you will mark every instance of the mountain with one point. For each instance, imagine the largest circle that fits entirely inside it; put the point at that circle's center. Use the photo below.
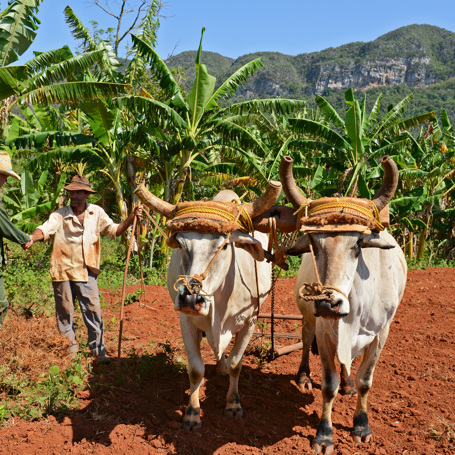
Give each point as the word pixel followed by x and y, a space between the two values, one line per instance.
pixel 416 58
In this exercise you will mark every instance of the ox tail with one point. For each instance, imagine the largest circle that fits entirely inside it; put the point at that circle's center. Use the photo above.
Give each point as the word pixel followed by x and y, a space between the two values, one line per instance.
pixel 314 347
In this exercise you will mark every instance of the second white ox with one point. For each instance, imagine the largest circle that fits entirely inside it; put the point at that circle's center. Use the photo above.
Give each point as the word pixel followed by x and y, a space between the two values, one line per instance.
pixel 228 302
pixel 365 274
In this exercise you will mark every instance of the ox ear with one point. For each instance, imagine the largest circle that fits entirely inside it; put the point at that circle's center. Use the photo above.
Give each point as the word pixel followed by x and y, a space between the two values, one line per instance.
pixel 374 240
pixel 248 243
pixel 301 246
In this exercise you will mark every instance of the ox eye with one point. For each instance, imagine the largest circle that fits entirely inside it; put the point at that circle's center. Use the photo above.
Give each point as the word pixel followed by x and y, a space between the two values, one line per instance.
pixel 357 247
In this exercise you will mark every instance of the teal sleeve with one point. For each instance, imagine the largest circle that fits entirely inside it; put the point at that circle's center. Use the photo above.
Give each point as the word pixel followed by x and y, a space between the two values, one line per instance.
pixel 9 231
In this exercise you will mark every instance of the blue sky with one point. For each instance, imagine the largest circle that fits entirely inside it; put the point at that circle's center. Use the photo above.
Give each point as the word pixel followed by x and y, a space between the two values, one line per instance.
pixel 238 27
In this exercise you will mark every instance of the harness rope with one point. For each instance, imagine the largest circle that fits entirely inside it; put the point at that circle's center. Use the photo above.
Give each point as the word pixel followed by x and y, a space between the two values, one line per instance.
pixel 317 291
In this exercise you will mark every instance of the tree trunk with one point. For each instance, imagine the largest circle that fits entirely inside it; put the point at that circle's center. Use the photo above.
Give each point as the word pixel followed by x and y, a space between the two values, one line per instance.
pixel 410 246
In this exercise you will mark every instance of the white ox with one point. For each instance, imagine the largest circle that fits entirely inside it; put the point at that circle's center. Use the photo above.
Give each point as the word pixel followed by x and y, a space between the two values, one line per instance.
pixel 229 302
pixel 370 270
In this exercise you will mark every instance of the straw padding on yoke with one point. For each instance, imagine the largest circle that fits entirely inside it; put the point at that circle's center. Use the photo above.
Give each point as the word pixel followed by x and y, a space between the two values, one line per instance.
pixel 209 217
pixel 336 214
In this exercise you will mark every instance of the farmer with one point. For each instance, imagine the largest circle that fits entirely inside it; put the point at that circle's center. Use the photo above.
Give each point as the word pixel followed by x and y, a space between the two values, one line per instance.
pixel 75 262
pixel 7 230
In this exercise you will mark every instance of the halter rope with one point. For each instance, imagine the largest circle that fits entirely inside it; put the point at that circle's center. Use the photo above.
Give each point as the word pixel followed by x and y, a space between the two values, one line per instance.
pixel 317 291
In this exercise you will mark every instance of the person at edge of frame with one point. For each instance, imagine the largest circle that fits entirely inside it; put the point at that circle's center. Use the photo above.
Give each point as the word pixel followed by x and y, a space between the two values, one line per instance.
pixel 7 230
pixel 75 231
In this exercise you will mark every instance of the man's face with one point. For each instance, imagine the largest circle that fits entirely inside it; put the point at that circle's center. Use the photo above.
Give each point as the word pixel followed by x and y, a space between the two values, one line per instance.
pixel 78 198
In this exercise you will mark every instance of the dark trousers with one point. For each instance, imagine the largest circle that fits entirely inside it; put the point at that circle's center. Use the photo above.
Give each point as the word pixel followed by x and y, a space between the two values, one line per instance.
pixel 65 293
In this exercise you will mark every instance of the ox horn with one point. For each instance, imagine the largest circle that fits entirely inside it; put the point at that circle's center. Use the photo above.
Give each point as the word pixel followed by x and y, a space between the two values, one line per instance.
pixel 295 197
pixel 265 201
pixel 155 203
pixel 389 184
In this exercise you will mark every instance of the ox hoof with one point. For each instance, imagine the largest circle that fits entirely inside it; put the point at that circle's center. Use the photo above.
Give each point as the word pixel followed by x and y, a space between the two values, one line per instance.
pixel 233 408
pixel 304 383
pixel 325 448
pixel 361 431
pixel 323 442
pixel 192 419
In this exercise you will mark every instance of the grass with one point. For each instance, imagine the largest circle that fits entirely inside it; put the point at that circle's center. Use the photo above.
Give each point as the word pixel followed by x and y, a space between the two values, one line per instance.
pixel 442 430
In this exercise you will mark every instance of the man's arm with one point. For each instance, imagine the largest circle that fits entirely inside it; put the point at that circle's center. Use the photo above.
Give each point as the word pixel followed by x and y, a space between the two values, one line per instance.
pixel 125 224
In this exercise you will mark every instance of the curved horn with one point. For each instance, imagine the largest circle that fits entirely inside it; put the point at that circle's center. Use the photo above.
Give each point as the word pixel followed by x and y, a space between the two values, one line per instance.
pixel 295 197
pixel 153 202
pixel 389 184
pixel 266 201
pixel 302 245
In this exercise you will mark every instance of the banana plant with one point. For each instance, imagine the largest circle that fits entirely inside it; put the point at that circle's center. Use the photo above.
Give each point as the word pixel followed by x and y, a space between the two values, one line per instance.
pixel 187 128
pixel 49 77
pixel 356 142
pixel 30 198
pixel 427 181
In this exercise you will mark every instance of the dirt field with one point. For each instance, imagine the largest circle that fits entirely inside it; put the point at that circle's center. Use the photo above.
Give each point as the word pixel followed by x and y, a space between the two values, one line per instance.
pixel 411 406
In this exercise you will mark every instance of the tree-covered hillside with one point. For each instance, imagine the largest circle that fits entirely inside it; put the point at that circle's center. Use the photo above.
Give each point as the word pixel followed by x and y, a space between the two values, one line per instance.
pixel 417 58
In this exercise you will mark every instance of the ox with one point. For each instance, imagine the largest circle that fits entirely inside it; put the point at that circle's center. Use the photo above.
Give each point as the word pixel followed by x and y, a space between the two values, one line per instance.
pixel 216 284
pixel 363 274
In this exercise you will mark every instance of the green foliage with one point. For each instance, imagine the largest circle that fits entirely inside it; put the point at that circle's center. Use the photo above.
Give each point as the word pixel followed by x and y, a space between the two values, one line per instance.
pixel 27 281
pixel 55 392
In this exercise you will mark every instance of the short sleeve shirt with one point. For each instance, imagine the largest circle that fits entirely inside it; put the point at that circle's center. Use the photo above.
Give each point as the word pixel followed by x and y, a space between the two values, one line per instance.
pixel 76 246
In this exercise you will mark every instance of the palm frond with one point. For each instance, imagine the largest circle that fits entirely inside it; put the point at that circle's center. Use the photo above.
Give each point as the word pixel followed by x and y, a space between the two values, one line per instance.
pixel 37 140
pixel 66 70
pixel 414 121
pixel 329 112
pixel 74 92
pixel 161 71
pixel 318 130
pixel 78 29
pixel 230 86
pixel 155 111
pixel 43 60
pixel 279 106
pixel 18 28
pixel 12 80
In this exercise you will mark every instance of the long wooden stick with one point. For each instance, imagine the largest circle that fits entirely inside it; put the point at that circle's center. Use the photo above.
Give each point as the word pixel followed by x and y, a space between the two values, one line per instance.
pixel 124 287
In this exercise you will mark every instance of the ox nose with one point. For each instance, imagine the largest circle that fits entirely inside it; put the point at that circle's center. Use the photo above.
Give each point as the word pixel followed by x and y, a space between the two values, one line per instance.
pixel 328 308
pixel 190 303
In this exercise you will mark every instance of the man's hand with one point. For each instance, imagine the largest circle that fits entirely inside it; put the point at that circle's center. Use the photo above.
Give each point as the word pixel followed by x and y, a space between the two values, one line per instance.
pixel 138 210
pixel 27 245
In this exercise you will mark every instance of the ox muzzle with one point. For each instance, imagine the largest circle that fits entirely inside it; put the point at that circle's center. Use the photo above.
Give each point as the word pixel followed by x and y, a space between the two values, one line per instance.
pixel 191 303
pixel 334 308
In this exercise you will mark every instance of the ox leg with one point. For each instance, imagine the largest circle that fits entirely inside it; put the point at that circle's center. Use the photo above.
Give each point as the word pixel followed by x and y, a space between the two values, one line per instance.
pixel 234 365
pixel 347 386
pixel 364 379
pixel 303 375
pixel 191 340
pixel 221 367
pixel 323 441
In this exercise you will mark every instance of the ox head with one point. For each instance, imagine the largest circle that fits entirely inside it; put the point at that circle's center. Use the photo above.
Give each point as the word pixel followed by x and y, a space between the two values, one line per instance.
pixel 204 246
pixel 338 249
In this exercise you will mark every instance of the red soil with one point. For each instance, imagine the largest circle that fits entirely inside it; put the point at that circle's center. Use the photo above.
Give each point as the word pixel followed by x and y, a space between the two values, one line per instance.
pixel 411 405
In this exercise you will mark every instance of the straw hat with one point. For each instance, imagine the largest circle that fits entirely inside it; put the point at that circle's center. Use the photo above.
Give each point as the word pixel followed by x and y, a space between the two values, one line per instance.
pixel 79 183
pixel 5 166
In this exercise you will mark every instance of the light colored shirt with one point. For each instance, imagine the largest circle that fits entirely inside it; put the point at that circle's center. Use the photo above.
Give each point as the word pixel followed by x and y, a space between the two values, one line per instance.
pixel 76 246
